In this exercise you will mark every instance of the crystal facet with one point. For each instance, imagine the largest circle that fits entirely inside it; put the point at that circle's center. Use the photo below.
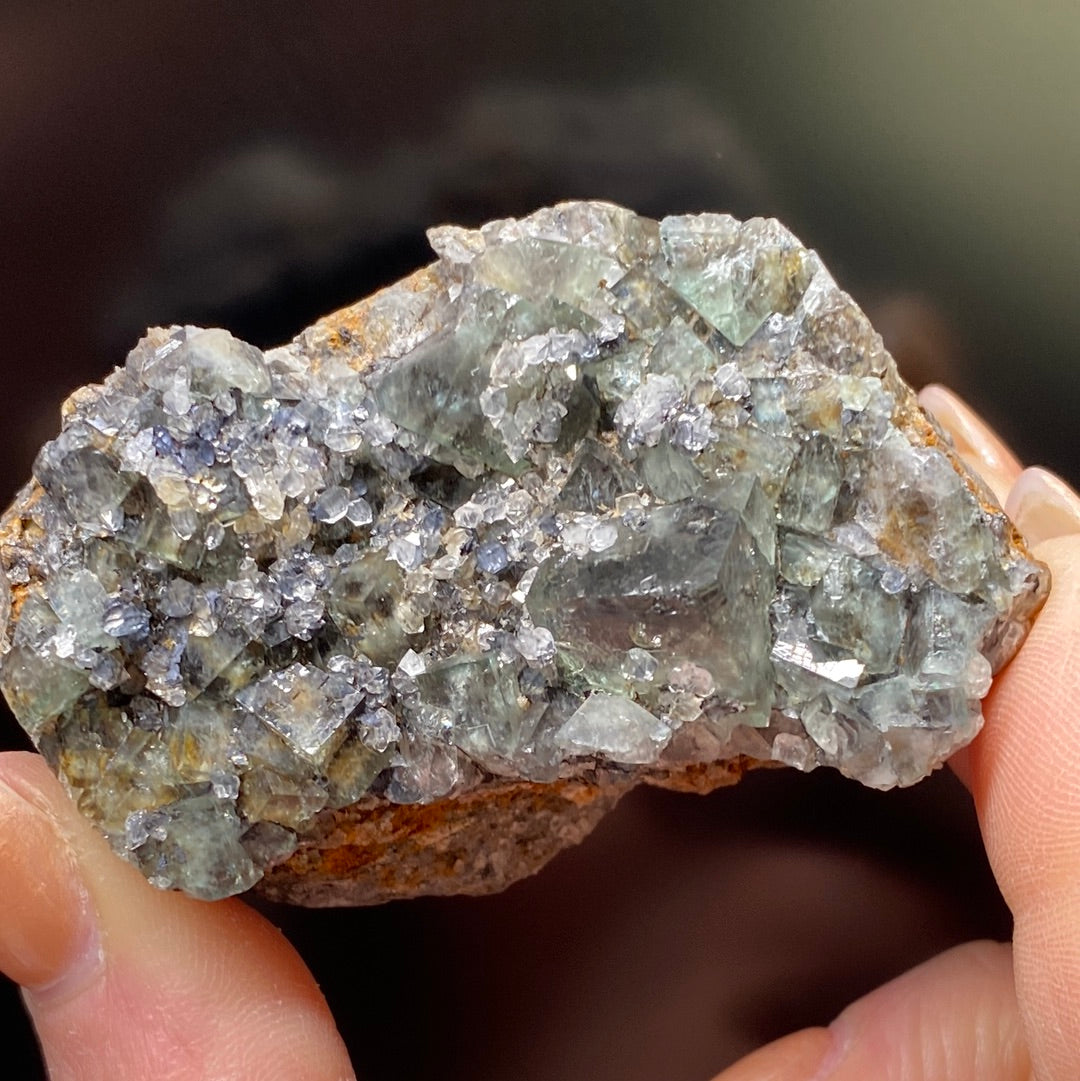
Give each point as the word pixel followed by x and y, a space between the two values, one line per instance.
pixel 592 499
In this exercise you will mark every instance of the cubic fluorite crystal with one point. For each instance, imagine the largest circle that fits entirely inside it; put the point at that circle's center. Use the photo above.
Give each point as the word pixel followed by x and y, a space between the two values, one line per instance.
pixel 589 500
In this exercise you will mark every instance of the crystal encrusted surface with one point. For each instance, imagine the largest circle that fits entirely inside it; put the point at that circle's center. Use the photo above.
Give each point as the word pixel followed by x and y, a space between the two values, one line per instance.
pixel 590 493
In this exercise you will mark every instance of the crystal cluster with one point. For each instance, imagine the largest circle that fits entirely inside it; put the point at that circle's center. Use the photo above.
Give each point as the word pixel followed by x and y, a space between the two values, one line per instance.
pixel 590 492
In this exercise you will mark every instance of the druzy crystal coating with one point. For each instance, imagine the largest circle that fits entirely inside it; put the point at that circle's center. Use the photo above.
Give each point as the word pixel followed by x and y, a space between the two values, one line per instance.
pixel 591 490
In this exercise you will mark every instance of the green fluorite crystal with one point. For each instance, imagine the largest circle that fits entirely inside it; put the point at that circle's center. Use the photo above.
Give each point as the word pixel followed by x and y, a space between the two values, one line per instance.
pixel 591 491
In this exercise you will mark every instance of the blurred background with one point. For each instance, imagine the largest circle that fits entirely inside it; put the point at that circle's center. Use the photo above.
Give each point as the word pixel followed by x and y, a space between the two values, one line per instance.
pixel 254 165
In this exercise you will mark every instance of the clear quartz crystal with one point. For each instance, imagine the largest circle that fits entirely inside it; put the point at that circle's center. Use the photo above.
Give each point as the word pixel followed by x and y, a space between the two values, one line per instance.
pixel 592 492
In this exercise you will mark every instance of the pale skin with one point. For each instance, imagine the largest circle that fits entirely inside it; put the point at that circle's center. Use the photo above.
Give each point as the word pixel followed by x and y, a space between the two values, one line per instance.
pixel 224 996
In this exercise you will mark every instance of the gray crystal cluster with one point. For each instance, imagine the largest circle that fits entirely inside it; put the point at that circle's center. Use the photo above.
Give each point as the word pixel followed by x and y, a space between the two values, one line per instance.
pixel 591 491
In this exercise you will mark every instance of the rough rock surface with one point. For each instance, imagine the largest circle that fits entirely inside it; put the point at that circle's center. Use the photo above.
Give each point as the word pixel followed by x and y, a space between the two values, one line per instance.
pixel 404 606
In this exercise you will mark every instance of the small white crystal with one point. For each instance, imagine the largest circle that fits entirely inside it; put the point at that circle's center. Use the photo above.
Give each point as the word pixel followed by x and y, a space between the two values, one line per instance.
pixel 615 727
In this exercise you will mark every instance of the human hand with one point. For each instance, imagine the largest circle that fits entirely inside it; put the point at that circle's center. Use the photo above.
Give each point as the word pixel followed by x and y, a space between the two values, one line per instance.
pixel 127 982
pixel 124 982
pixel 988 1011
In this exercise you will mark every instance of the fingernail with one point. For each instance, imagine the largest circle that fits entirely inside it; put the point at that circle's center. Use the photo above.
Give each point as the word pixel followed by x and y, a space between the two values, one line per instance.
pixel 1043 506
pixel 48 934
pixel 981 448
pixel 802 1056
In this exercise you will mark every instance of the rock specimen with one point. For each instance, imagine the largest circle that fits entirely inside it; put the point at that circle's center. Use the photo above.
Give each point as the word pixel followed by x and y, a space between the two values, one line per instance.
pixel 591 500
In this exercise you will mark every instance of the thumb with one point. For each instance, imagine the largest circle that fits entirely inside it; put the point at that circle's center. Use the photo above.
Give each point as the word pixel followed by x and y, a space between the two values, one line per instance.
pixel 124 982
pixel 953 1017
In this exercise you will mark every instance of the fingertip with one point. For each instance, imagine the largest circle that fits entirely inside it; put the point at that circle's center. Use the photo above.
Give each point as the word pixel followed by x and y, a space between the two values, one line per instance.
pixel 953 1017
pixel 1042 506
pixel 797 1057
pixel 183 989
pixel 49 928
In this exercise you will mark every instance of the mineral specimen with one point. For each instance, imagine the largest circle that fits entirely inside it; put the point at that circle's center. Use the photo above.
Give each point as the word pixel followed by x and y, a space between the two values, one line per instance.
pixel 591 500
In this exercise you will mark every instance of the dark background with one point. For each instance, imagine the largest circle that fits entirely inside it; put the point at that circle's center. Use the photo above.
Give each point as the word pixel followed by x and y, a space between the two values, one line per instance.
pixel 256 165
